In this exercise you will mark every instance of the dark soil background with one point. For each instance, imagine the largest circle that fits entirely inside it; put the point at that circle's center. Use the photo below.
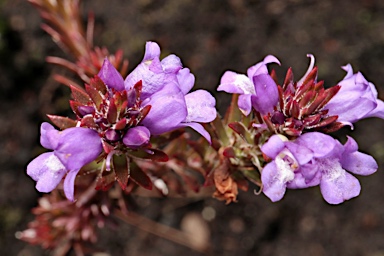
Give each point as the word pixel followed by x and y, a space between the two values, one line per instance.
pixel 210 37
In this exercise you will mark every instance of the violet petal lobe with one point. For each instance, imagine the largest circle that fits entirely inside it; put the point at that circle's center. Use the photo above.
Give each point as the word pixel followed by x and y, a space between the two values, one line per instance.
pixel 47 171
pixel 171 64
pixel 273 186
pixel 302 154
pixel 301 181
pixel 152 51
pixel 137 136
pixel 359 163
pixel 232 82
pixel 110 76
pixel 336 187
pixel 186 80
pixel 321 144
pixel 198 128
pixel 69 185
pixel 244 103
pixel 261 67
pixel 200 106
pixel 77 147
pixel 274 146
pixel 48 136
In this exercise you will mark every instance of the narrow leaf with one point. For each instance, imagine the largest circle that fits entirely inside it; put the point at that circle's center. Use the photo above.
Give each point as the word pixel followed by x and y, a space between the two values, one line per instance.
pixel 62 122
pixel 140 177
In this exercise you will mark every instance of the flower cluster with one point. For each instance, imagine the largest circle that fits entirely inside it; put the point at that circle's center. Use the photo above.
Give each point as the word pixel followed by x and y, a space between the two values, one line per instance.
pixel 290 126
pixel 118 117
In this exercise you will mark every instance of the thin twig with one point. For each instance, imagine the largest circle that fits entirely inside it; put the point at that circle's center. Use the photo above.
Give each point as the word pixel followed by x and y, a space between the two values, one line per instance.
pixel 162 231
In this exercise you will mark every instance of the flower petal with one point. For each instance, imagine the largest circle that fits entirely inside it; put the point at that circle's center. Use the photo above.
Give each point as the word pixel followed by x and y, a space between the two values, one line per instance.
pixel 232 82
pixel 336 190
pixel 273 187
pixel 152 51
pixel 69 185
pixel 186 80
pixel 261 67
pixel 48 136
pixel 47 170
pixel 244 103
pixel 321 144
pixel 302 154
pixel 171 64
pixel 359 163
pixel 168 109
pixel 200 106
pixel 77 147
pixel 273 146
pixel 199 128
pixel 301 181
pixel 110 76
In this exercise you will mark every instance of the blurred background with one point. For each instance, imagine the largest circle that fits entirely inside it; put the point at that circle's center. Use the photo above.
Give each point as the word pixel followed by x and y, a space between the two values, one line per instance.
pixel 210 37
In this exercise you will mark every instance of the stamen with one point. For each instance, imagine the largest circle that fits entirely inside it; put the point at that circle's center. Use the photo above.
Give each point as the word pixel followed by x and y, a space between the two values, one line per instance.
pixel 311 65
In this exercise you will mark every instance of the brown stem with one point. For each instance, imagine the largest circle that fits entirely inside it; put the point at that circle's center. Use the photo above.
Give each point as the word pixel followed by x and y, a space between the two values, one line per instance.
pixel 162 231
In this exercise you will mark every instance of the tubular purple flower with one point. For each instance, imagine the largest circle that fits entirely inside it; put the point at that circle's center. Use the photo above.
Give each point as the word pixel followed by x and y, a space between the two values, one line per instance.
pixel 165 87
pixel 72 149
pixel 154 74
pixel 357 99
pixel 257 89
pixel 314 159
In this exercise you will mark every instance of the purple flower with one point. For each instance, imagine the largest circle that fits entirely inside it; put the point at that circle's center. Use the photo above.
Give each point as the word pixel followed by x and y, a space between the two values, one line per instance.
pixel 357 99
pixel 257 89
pixel 166 86
pixel 314 159
pixel 72 149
